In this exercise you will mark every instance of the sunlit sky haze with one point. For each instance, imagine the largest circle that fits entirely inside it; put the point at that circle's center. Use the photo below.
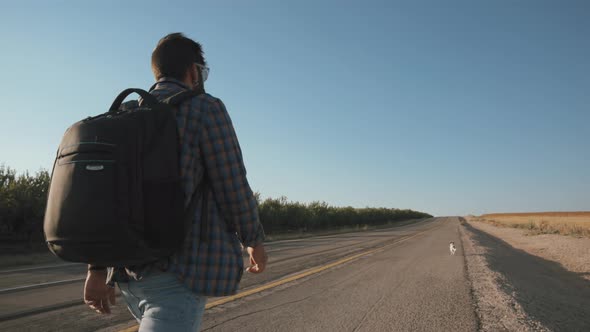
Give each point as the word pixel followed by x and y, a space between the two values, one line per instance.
pixel 446 107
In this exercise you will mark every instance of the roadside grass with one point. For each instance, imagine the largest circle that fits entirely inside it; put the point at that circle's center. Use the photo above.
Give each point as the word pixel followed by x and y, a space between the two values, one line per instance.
pixel 576 225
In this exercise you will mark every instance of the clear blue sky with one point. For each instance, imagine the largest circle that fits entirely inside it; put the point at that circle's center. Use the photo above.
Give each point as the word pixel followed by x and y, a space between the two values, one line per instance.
pixel 447 107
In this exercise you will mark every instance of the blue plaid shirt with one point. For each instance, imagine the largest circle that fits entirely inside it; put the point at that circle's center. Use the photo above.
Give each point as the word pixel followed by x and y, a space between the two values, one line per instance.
pixel 209 146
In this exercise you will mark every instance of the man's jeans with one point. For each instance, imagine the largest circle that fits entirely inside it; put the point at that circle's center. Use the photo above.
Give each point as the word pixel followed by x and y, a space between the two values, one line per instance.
pixel 160 302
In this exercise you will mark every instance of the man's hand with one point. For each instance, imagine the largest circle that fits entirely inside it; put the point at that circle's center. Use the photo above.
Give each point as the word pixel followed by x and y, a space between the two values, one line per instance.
pixel 258 258
pixel 97 293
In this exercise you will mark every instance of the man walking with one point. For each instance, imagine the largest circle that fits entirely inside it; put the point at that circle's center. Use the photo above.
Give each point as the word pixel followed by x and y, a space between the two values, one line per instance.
pixel 170 295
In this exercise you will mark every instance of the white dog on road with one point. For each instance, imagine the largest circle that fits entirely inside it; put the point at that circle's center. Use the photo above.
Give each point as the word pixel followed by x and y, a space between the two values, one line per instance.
pixel 452 248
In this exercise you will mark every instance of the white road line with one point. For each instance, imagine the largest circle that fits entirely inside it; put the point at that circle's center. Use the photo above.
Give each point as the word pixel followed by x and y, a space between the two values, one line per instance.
pixel 46 284
pixel 39 267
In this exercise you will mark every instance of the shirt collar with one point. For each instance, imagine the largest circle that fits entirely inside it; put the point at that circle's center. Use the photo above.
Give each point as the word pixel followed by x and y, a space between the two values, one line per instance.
pixel 167 80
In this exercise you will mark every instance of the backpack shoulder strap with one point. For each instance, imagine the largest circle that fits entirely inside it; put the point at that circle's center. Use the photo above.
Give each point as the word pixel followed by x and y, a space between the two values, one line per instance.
pixel 200 192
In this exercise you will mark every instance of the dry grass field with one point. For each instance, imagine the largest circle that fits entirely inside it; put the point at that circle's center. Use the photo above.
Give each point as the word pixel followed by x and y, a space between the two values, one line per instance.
pixel 564 223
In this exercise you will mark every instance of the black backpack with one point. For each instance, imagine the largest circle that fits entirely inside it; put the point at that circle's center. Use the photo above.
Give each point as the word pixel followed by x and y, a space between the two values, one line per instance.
pixel 116 197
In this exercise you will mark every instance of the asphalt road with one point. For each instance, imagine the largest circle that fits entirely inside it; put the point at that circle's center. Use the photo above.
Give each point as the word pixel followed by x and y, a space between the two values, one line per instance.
pixel 414 285
pixel 402 279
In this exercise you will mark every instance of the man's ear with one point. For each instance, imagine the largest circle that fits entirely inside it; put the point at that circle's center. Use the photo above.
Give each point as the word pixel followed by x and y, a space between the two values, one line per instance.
pixel 198 84
pixel 192 75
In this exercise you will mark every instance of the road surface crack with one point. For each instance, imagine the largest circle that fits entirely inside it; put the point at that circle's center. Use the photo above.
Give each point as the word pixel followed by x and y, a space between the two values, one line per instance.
pixel 373 307
pixel 290 302
pixel 258 311
pixel 368 312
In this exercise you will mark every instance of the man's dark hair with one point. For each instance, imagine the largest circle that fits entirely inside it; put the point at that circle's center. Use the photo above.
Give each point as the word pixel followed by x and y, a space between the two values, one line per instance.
pixel 174 54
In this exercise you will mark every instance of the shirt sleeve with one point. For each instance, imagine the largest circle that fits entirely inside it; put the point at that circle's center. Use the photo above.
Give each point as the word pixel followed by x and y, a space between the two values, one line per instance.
pixel 227 174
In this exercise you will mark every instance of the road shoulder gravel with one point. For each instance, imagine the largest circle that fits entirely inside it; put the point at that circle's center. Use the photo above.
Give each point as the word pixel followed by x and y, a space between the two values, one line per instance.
pixel 514 290
pixel 571 252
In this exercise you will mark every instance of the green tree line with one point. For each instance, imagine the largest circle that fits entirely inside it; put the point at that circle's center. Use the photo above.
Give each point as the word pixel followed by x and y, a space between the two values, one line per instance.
pixel 22 204
pixel 23 198
pixel 278 215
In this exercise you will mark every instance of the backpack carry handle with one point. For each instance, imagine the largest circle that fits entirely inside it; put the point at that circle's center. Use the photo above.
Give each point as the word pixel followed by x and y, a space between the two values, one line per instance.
pixel 147 98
